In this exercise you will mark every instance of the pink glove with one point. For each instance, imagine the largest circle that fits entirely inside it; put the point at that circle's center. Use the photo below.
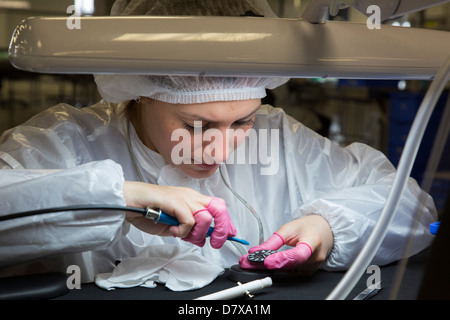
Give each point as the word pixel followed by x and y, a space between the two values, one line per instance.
pixel 284 260
pixel 223 227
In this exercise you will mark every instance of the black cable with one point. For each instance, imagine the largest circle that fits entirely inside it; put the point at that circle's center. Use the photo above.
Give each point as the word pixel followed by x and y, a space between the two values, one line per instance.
pixel 71 208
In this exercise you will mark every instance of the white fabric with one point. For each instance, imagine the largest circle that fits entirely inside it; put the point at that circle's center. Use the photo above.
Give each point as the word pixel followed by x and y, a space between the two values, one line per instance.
pixel 88 147
pixel 178 268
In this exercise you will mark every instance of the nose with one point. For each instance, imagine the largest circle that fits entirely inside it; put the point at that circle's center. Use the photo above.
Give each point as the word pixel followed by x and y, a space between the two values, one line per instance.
pixel 218 145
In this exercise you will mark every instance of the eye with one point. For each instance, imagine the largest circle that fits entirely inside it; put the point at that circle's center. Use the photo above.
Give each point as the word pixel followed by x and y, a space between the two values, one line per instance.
pixel 244 123
pixel 197 125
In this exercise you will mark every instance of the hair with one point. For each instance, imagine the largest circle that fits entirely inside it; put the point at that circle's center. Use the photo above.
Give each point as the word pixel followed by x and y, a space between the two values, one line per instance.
pixel 130 109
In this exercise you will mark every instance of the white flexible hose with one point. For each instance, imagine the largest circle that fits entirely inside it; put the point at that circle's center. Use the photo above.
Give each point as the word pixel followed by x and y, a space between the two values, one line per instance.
pixel 247 205
pixel 407 159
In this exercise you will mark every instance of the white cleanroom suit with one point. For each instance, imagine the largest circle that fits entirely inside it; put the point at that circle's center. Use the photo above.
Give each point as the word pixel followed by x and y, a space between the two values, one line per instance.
pixel 69 156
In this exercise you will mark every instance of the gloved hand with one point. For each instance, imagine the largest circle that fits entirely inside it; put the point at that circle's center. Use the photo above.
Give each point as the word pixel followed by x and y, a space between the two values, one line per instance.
pixel 284 260
pixel 312 241
pixel 180 202
pixel 223 227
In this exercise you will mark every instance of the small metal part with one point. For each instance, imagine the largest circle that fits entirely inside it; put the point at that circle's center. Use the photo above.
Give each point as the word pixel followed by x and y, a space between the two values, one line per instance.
pixel 369 292
pixel 153 214
pixel 247 293
pixel 260 256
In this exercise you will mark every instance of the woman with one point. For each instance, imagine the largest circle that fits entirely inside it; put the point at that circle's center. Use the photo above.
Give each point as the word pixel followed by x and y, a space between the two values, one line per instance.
pixel 159 142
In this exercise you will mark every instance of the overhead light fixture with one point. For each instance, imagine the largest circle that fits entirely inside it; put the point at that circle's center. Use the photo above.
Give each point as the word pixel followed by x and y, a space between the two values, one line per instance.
pixel 229 46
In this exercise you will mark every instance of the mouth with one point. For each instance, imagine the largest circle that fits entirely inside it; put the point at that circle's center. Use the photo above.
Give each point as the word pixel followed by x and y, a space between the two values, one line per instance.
pixel 205 166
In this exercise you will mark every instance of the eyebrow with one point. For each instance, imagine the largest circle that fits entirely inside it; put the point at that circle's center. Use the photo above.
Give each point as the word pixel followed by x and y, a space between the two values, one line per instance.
pixel 201 118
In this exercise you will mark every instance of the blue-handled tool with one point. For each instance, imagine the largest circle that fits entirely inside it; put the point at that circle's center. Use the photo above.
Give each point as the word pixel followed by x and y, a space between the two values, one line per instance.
pixel 159 216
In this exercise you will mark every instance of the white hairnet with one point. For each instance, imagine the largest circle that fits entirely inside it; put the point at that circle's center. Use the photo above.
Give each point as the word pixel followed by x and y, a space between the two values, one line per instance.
pixel 233 8
pixel 187 89
pixel 183 90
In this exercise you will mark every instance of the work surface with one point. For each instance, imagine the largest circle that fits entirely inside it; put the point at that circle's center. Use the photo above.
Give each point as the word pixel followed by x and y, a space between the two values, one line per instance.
pixel 285 287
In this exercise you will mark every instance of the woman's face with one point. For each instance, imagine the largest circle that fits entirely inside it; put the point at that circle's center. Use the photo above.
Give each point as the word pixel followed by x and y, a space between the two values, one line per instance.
pixel 195 137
